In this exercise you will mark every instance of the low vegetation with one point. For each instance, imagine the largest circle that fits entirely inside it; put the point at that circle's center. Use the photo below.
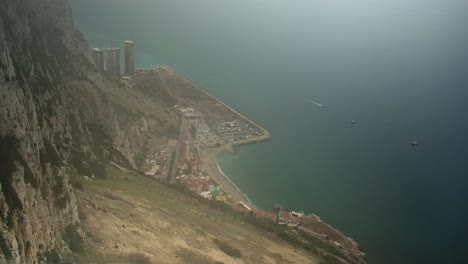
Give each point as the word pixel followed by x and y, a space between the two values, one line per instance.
pixel 297 238
pixel 138 258
pixel 73 238
pixel 228 249
pixel 76 182
pixel 202 226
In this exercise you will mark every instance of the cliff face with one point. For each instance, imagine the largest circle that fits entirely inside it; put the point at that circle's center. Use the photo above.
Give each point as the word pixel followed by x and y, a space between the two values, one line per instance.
pixel 37 43
pixel 57 113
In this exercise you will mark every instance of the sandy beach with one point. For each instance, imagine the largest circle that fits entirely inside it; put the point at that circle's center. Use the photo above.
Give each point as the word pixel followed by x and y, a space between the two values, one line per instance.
pixel 209 155
pixel 209 159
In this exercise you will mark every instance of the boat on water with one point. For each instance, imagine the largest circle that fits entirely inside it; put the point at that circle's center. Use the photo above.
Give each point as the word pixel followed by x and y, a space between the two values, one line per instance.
pixel 414 143
pixel 353 122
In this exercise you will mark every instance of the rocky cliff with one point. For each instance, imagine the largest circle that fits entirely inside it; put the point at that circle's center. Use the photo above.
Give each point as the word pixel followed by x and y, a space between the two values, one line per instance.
pixel 57 114
pixel 37 45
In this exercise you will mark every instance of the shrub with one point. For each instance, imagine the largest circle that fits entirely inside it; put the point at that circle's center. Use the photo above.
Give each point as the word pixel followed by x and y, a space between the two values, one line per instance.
pixel 81 213
pixel 62 201
pixel 99 169
pixel 109 195
pixel 228 249
pixel 138 258
pixel 73 238
pixel 76 183
pixel 50 257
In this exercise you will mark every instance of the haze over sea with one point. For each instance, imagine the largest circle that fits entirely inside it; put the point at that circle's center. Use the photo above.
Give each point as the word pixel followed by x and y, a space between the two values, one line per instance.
pixel 397 67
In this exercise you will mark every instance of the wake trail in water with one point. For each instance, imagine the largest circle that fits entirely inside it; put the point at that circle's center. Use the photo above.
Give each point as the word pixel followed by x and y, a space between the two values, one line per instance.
pixel 315 103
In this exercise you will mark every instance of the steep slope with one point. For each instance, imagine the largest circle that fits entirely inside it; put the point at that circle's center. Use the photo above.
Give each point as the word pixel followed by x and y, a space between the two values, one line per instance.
pixel 127 216
pixel 37 42
pixel 57 112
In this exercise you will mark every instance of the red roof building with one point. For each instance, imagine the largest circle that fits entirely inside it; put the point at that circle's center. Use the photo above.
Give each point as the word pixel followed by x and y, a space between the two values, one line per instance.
pixel 285 215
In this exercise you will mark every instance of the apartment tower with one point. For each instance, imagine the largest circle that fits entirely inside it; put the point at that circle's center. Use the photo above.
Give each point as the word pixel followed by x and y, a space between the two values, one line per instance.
pixel 113 61
pixel 98 57
pixel 129 58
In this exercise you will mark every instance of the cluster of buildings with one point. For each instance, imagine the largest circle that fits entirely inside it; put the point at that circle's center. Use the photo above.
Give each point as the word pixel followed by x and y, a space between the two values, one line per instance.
pixel 223 131
pixel 188 112
pixel 193 176
pixel 109 61
pixel 198 181
pixel 236 130
pixel 284 217
pixel 157 165
pixel 204 136
pixel 191 173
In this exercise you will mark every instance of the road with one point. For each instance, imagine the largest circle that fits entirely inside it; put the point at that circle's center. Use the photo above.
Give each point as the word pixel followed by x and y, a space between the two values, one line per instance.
pixel 175 160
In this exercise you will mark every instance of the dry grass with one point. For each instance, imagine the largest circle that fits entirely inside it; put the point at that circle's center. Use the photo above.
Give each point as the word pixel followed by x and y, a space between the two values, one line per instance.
pixel 166 226
pixel 138 258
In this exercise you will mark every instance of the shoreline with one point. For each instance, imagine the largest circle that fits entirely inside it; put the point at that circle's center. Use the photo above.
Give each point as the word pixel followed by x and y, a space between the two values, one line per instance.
pixel 230 146
pixel 210 156
pixel 231 182
pixel 310 224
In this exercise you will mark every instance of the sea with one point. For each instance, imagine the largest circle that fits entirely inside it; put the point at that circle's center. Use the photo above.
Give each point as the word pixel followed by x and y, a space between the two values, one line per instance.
pixel 398 68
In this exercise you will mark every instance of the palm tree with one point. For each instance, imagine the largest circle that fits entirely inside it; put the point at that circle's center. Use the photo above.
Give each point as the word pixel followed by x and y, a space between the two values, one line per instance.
pixel 277 209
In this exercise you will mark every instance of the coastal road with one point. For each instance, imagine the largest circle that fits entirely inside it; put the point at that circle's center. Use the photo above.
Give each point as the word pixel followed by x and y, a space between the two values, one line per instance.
pixel 175 160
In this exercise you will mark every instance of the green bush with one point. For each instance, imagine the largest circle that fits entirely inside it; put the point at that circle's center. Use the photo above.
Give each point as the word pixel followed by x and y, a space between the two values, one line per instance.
pixel 73 238
pixel 86 165
pixel 81 213
pixel 138 258
pixel 228 249
pixel 50 257
pixel 76 183
pixel 99 169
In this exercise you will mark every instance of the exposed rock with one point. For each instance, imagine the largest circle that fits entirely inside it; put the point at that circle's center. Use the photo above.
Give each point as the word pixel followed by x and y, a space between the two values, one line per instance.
pixel 57 112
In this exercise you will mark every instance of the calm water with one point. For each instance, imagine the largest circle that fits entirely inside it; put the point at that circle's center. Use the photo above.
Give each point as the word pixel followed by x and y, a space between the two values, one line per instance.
pixel 399 68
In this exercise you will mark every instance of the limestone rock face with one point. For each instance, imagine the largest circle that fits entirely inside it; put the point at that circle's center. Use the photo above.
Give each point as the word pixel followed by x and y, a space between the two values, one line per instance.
pixel 58 113
pixel 39 124
pixel 38 47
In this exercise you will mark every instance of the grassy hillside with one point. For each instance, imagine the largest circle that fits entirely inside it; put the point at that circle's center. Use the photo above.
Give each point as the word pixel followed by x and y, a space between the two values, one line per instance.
pixel 129 218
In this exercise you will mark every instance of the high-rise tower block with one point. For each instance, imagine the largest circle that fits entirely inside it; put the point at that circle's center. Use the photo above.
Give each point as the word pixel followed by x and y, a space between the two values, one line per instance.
pixel 129 57
pixel 98 57
pixel 113 61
